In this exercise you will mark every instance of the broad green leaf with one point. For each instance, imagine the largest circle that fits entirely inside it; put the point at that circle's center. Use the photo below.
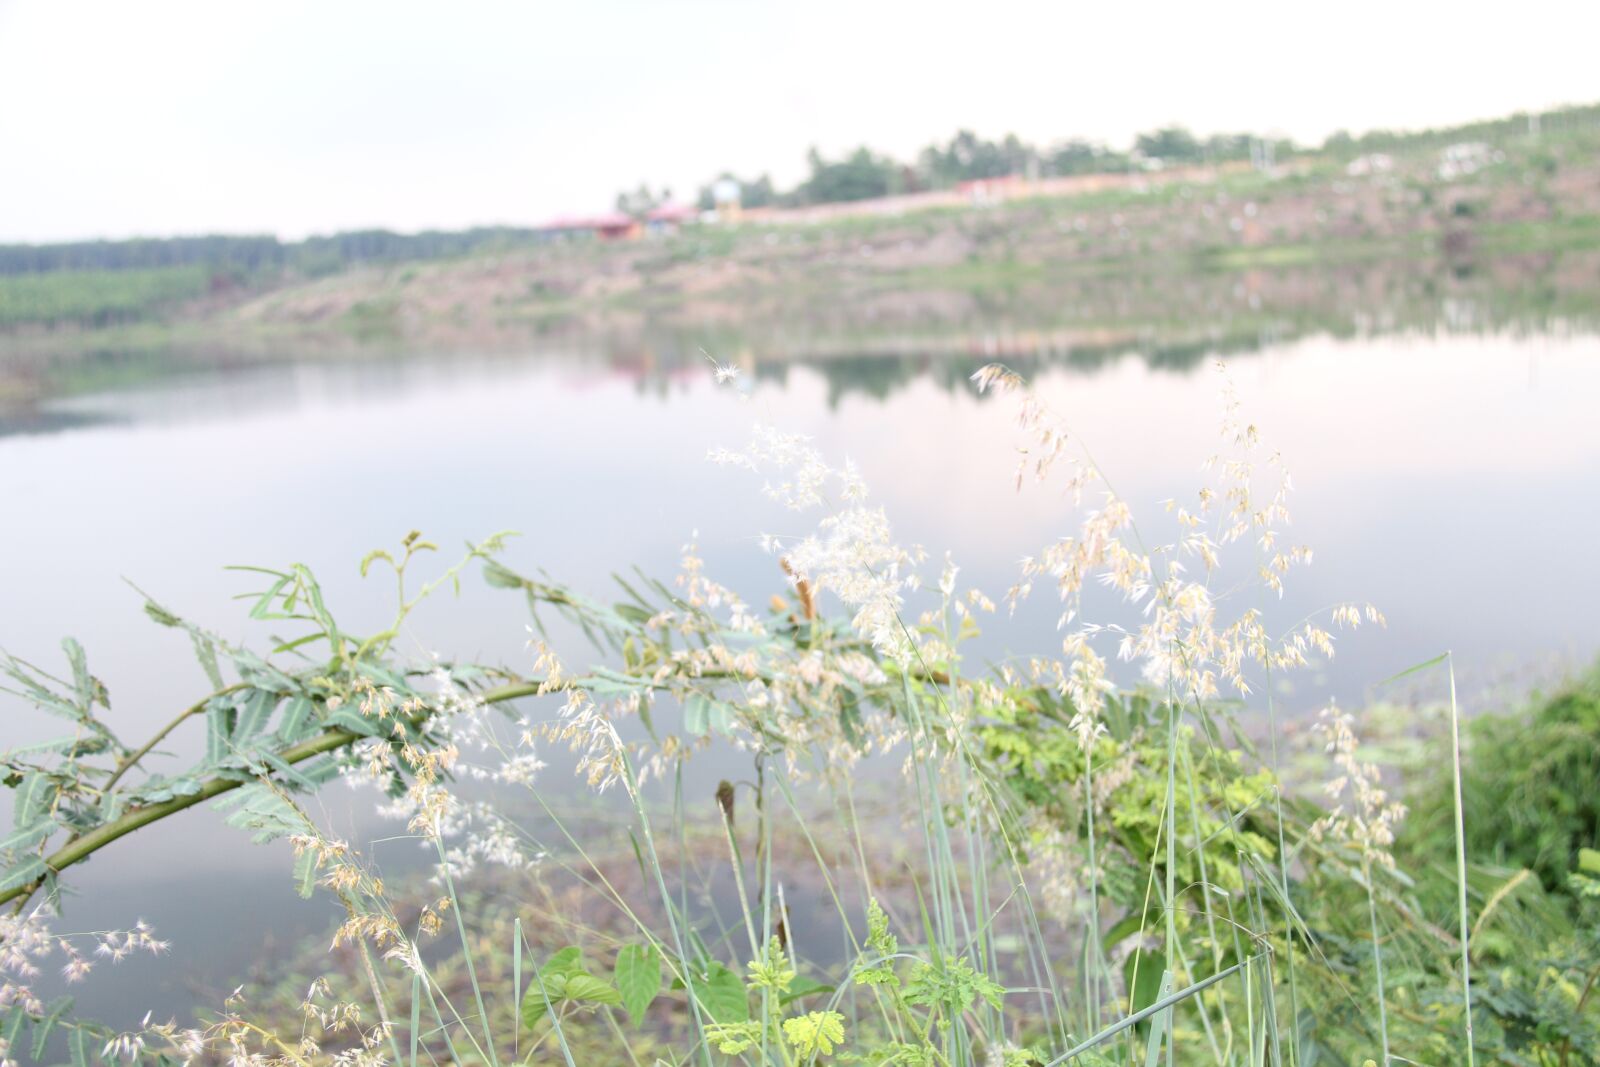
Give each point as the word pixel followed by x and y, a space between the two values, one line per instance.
pixel 804 987
pixel 638 977
pixel 1124 927
pixel 696 715
pixel 721 717
pixel 592 990
pixel 550 984
pixel 1145 985
pixel 723 995
pixel 534 1006
pixel 568 961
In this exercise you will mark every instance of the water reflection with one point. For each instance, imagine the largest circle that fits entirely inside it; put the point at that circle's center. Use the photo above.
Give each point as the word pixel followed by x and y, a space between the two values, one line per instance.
pixel 882 337
pixel 1446 471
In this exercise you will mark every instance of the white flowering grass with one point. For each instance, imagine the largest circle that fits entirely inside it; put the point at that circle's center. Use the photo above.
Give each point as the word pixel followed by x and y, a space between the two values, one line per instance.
pixel 973 967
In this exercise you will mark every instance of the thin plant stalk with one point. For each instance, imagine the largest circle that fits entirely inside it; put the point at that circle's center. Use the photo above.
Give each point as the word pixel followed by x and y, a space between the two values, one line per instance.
pixel 1461 854
pixel 1377 959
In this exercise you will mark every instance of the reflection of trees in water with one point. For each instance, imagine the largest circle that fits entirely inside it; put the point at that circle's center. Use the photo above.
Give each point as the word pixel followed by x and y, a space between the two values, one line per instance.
pixel 1175 323
pixel 874 342
pixel 880 376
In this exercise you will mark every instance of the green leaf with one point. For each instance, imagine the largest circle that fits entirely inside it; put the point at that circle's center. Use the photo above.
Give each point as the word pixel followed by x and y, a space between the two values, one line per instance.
pixel 295 714
pixel 1145 985
pixel 161 615
pixel 696 715
pixel 28 836
pixel 78 1046
pixel 262 811
pixel 22 873
pixel 305 874
pixel 723 995
pixel 815 1033
pixel 721 718
pixel 371 557
pixel 1589 861
pixel 592 990
pixel 42 1028
pixel 1159 1023
pixel 13 1025
pixel 219 727
pixel 360 725
pixel 550 984
pixel 205 650
pixel 568 961
pixel 254 712
pixel 33 797
pixel 638 976
pixel 262 609
pixel 534 1006
pixel 286 770
pixel 1124 927
pixel 804 987
pixel 89 689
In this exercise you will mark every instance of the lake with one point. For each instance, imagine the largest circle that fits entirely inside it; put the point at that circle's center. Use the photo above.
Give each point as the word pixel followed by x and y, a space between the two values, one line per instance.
pixel 1448 475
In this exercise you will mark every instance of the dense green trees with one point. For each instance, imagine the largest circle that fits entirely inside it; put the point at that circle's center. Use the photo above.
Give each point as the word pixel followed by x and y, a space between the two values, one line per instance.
pixel 863 174
pixel 254 253
pixel 101 283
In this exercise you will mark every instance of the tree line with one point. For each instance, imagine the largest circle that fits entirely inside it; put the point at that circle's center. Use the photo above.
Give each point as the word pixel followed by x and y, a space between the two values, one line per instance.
pixel 865 174
pixel 245 255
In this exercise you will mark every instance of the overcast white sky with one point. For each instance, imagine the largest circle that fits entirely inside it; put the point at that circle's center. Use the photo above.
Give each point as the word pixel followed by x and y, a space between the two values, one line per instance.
pixel 154 117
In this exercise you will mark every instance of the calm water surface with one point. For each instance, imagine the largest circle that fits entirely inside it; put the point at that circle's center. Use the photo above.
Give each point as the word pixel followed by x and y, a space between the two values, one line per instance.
pixel 1451 479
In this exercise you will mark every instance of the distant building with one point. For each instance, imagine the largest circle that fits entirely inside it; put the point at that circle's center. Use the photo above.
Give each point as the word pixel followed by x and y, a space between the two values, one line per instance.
pixel 669 218
pixel 726 199
pixel 612 226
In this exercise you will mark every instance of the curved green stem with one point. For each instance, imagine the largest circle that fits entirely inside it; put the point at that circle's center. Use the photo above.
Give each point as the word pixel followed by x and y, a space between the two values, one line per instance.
pixel 81 848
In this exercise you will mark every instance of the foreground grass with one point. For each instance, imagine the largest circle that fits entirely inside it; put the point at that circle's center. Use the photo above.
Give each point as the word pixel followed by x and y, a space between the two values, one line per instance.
pixel 1066 871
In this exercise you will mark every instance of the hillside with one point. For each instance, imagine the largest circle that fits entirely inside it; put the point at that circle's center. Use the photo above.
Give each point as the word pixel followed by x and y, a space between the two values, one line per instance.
pixel 1196 251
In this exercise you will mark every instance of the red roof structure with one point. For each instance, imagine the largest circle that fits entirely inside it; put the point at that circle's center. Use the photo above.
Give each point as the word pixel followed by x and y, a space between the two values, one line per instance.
pixel 673 213
pixel 610 225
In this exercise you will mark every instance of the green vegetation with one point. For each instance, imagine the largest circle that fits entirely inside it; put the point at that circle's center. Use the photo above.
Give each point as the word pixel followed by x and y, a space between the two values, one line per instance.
pixel 1529 782
pixel 97 298
pixel 967 156
pixel 314 255
pixel 1065 873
